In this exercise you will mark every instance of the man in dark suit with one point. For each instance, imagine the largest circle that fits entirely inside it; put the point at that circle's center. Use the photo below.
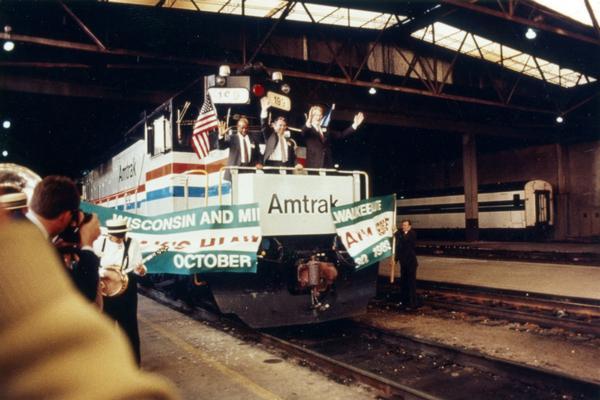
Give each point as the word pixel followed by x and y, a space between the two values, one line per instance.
pixel 279 151
pixel 406 240
pixel 244 150
pixel 319 139
pixel 54 209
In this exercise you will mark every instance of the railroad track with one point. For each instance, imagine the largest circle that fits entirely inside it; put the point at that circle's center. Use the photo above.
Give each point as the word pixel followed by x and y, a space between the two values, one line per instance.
pixel 458 250
pixel 397 367
pixel 572 314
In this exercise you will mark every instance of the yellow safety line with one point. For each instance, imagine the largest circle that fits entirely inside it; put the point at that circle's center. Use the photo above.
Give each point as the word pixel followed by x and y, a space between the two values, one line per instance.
pixel 233 375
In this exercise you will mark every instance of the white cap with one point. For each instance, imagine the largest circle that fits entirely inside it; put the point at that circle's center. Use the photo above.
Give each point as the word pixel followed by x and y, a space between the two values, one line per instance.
pixel 117 225
pixel 13 201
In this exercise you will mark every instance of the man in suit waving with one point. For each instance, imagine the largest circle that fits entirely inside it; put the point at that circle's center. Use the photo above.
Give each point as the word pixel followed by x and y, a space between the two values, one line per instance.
pixel 279 151
pixel 319 139
pixel 244 150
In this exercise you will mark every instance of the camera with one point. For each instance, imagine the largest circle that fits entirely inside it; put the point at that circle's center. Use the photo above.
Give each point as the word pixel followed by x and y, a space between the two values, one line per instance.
pixel 69 241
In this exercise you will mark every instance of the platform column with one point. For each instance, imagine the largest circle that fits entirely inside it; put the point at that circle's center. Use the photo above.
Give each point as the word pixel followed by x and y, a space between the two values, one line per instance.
pixel 470 184
pixel 561 194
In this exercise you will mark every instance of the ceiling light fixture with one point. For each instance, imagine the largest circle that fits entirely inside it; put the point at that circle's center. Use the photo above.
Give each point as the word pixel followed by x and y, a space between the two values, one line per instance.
pixel 530 34
pixel 9 45
pixel 372 89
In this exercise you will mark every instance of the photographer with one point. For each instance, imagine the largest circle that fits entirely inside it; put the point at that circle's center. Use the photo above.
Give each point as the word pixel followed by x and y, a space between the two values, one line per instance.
pixel 55 211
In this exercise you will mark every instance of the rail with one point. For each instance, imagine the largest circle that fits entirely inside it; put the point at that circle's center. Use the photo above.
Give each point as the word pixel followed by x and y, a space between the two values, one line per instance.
pixel 186 189
pixel 186 194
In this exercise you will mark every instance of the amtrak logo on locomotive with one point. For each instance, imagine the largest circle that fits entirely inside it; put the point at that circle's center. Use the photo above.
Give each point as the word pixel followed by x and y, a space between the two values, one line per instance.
pixel 303 205
pixel 127 171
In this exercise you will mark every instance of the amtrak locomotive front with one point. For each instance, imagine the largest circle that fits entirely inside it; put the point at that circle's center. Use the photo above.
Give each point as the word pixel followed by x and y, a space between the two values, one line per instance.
pixel 304 274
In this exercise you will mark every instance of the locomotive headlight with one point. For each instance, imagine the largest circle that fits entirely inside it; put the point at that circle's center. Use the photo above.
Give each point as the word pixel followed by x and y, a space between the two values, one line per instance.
pixel 224 70
pixel 220 80
pixel 285 88
pixel 277 76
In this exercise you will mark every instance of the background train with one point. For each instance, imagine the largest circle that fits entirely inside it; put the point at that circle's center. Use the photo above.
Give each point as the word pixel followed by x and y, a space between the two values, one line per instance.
pixel 516 210
pixel 303 275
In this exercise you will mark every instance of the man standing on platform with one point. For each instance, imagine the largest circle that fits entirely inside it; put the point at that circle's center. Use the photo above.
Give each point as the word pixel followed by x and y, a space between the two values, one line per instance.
pixel 279 151
pixel 406 240
pixel 121 251
pixel 244 150
pixel 319 139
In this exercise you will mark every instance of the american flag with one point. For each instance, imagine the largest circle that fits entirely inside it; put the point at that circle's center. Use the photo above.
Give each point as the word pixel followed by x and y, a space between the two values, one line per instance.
pixel 207 120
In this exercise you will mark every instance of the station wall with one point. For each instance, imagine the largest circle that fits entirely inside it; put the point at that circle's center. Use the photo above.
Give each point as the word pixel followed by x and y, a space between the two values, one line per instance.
pixel 581 191
pixel 584 190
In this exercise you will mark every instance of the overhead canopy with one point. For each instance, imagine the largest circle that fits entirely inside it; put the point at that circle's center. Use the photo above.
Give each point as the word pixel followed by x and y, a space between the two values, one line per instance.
pixel 576 10
pixel 437 33
pixel 88 70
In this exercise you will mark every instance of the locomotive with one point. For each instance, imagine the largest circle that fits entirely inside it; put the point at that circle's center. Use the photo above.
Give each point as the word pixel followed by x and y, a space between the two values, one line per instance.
pixel 304 275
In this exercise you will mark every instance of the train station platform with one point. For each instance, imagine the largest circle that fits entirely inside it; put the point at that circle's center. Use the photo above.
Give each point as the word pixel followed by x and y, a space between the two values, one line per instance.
pixel 205 363
pixel 564 252
pixel 574 281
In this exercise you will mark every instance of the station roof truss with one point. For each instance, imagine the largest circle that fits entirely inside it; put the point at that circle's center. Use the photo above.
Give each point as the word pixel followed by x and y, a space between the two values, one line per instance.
pixel 452 38
pixel 438 33
pixel 470 52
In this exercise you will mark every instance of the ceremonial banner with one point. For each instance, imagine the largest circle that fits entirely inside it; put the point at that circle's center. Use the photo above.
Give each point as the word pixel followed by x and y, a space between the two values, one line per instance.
pixel 207 239
pixel 366 228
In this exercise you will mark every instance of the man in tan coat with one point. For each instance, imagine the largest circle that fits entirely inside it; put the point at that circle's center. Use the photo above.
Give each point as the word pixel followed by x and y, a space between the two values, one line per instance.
pixel 54 344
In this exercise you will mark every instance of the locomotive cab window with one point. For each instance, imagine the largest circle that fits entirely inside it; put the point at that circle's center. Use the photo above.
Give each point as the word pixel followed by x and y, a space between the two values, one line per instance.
pixel 162 135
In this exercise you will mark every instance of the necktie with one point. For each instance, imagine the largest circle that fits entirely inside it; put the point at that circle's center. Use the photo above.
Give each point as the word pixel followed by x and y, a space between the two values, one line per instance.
pixel 282 147
pixel 245 151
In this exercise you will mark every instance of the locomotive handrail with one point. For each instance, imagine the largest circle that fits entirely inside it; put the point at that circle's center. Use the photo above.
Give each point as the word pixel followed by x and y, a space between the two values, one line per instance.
pixel 186 175
pixel 295 171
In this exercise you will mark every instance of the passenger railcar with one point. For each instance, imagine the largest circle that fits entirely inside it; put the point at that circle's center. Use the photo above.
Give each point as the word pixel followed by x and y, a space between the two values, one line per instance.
pixel 160 173
pixel 517 210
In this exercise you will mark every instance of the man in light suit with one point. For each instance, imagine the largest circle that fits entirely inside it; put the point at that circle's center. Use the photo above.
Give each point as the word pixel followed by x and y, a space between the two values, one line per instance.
pixel 319 139
pixel 244 150
pixel 279 151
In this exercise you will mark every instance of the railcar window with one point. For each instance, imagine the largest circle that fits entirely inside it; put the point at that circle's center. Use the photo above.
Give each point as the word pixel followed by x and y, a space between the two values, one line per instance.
pixel 516 200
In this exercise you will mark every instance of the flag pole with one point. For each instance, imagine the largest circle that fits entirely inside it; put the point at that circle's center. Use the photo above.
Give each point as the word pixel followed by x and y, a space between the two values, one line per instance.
pixel 327 119
pixel 394 229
